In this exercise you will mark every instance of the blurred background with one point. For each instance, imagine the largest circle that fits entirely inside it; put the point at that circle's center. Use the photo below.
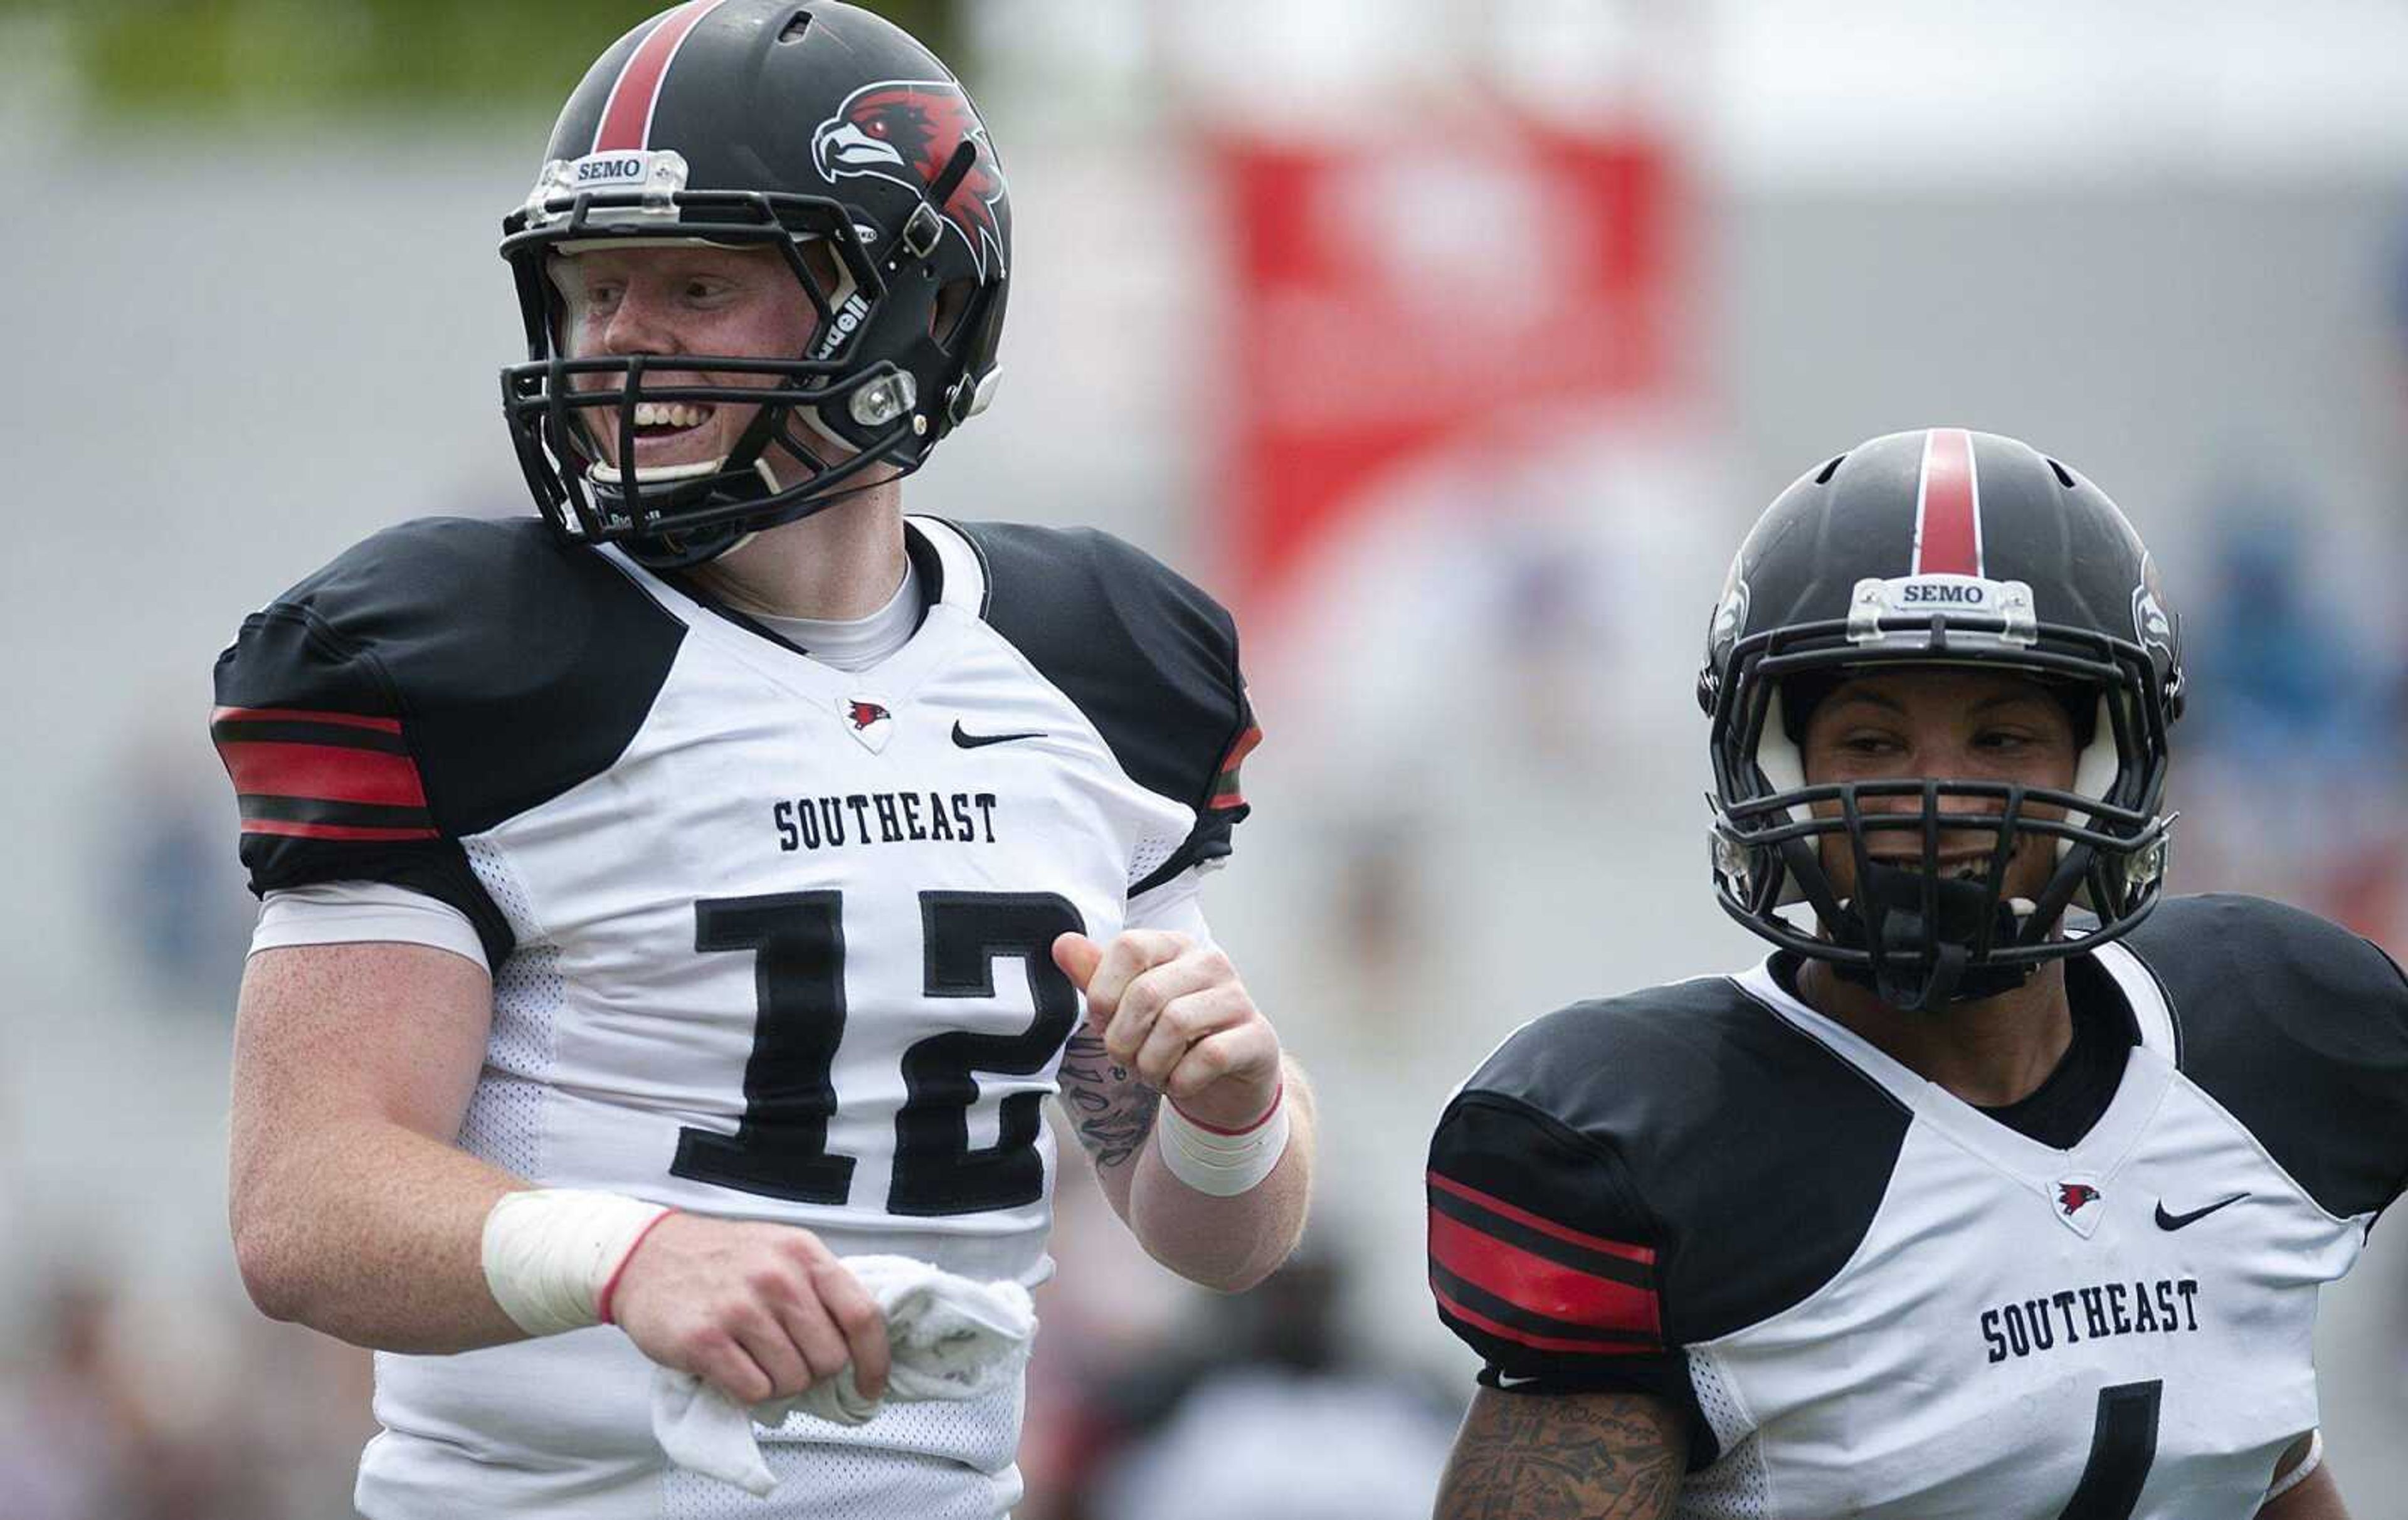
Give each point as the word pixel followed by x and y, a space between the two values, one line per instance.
pixel 1454 343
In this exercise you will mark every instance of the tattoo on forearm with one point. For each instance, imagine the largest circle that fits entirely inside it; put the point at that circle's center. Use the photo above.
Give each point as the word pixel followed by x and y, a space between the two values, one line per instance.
pixel 1534 1456
pixel 1113 1109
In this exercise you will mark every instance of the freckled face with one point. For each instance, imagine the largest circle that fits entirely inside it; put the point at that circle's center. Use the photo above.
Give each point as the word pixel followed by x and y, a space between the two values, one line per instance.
pixel 1944 724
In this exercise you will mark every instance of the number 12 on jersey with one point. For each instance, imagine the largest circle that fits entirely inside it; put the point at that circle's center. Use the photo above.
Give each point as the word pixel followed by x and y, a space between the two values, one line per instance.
pixel 781 1146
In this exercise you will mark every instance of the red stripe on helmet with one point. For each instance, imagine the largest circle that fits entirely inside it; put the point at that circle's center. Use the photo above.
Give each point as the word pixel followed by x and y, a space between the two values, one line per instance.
pixel 1948 507
pixel 627 116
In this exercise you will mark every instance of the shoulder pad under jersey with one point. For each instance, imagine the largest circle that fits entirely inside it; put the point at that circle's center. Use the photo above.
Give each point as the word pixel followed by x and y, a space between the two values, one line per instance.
pixel 435 679
pixel 2299 1028
pixel 1150 658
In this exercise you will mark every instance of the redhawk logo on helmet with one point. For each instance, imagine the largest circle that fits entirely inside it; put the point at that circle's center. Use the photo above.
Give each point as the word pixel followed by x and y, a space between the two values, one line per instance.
pixel 905 131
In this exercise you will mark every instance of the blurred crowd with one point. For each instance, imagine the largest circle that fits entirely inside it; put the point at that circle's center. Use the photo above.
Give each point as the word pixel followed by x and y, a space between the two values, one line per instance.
pixel 2292 771
pixel 96 1423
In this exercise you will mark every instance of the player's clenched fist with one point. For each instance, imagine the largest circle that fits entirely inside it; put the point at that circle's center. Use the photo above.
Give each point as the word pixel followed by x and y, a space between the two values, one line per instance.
pixel 760 1311
pixel 1175 1012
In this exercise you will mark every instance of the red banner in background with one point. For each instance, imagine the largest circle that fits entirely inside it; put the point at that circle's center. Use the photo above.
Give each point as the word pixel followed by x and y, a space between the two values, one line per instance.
pixel 1426 293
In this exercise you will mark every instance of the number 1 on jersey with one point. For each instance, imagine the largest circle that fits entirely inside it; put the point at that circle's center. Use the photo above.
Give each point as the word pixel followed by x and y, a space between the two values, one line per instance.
pixel 2123 1445
pixel 779 1147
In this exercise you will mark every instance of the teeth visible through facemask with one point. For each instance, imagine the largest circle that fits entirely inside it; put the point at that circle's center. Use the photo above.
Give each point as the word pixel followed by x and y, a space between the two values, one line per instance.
pixel 669 414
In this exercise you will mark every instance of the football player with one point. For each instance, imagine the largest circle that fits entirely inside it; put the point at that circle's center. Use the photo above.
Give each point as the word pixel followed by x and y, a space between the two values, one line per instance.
pixel 2005 1186
pixel 673 897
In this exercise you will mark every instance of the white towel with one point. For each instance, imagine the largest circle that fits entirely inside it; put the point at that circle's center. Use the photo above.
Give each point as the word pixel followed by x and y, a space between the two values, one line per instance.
pixel 950 1338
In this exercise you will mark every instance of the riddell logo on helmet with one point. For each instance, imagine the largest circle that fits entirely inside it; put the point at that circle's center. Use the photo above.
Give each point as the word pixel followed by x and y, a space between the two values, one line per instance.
pixel 905 132
pixel 841 326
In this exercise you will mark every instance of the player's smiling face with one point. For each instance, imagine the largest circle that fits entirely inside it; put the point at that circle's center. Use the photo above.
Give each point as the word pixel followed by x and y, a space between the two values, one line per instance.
pixel 1944 724
pixel 681 299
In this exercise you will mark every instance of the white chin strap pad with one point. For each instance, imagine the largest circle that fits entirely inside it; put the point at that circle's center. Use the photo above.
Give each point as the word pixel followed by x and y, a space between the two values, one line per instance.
pixel 2094 773
pixel 1785 769
pixel 1776 753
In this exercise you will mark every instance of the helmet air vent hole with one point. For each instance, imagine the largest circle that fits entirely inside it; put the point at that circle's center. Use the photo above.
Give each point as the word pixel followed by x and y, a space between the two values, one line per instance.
pixel 796 28
pixel 2064 476
pixel 1823 476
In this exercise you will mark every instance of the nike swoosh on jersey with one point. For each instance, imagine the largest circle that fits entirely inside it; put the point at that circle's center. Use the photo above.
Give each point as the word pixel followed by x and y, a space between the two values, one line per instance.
pixel 973 741
pixel 2167 1220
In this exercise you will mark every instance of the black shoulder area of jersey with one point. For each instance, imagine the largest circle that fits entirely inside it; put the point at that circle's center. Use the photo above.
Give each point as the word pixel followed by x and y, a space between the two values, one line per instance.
pixel 1151 660
pixel 2299 1028
pixel 1691 1122
pixel 435 679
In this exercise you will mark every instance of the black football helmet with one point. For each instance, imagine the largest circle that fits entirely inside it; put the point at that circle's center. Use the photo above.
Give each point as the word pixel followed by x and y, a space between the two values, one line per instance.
pixel 809 126
pixel 1955 547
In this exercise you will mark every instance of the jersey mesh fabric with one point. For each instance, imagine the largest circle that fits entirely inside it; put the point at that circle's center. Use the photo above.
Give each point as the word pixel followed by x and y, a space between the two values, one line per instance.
pixel 504 1123
pixel 830 1479
pixel 501 883
pixel 980 1434
pixel 1736 1486
pixel 1149 856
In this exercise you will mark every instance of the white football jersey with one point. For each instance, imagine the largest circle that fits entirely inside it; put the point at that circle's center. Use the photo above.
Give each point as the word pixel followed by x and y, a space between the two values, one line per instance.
pixel 770 938
pixel 1873 1300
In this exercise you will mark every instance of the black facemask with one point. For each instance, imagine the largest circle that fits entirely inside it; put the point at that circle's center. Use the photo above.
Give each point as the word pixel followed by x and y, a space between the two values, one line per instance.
pixel 1921 931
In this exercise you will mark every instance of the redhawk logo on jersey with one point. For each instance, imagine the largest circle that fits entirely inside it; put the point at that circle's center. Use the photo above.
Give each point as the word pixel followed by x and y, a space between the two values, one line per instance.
pixel 904 131
pixel 2074 1196
pixel 865 713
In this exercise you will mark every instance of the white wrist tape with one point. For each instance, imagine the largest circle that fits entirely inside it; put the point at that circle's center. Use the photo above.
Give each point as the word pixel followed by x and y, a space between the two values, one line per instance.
pixel 549 1255
pixel 1217 1161
pixel 2299 1475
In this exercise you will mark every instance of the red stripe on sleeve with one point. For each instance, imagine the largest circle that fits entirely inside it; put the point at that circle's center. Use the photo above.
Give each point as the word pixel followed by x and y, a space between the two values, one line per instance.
pixel 1947 523
pixel 1539 1285
pixel 627 117
pixel 333 831
pixel 1544 1227
pixel 343 720
pixel 1539 1343
pixel 324 773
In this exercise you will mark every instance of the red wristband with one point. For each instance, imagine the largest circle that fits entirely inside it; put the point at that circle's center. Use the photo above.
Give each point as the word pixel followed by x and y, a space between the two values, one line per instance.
pixel 1277 1093
pixel 602 1304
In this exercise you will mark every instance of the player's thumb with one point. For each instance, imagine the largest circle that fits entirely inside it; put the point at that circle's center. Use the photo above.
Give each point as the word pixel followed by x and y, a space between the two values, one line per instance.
pixel 1078 956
